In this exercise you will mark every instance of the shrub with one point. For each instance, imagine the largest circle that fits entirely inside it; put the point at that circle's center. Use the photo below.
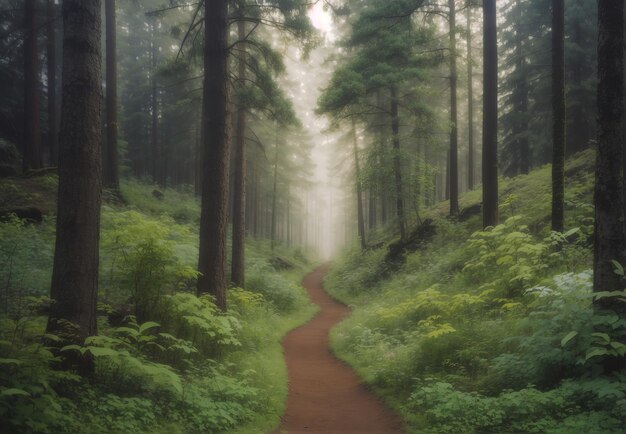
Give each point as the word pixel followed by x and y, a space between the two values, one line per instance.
pixel 275 288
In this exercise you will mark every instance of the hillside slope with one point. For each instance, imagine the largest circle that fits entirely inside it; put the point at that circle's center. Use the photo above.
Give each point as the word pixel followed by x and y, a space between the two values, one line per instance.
pixel 471 331
pixel 166 360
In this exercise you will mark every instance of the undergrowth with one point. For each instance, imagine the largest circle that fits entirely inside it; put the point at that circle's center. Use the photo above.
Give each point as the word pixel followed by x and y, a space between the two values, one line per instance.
pixel 166 360
pixel 489 331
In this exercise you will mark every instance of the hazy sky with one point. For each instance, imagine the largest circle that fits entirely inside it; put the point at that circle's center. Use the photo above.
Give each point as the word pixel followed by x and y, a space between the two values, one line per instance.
pixel 321 19
pixel 304 80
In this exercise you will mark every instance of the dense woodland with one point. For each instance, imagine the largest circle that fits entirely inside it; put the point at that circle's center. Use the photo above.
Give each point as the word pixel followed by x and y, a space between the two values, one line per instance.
pixel 171 170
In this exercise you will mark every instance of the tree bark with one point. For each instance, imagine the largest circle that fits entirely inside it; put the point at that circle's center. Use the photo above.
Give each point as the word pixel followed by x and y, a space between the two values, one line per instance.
pixel 372 209
pixel 75 271
pixel 490 114
pixel 521 99
pixel 111 177
pixel 274 198
pixel 454 134
pixel 51 44
pixel 199 155
pixel 32 134
pixel 216 154
pixel 470 101
pixel 558 114
pixel 154 103
pixel 609 200
pixel 239 197
pixel 397 166
pixel 359 192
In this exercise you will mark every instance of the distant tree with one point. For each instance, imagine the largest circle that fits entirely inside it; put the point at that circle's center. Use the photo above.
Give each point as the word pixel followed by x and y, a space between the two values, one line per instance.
pixel 216 154
pixel 154 108
pixel 239 182
pixel 397 167
pixel 470 100
pixel 525 44
pixel 51 47
pixel 111 177
pixel 274 216
pixel 558 114
pixel 609 199
pixel 521 96
pixel 359 189
pixel 490 114
pixel 453 173
pixel 75 270
pixel 514 118
pixel 32 133
pixel 386 38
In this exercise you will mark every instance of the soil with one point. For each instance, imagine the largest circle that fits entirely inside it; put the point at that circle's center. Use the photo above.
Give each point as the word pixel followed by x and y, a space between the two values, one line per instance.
pixel 325 395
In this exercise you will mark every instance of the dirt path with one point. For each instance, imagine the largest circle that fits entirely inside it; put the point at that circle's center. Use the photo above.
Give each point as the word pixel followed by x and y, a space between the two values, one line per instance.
pixel 325 395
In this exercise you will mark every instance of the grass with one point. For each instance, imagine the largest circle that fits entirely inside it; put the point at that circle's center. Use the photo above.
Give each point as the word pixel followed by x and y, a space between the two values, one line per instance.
pixel 162 229
pixel 456 339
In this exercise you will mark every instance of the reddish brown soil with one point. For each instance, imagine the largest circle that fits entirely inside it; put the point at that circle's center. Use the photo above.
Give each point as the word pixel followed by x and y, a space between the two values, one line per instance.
pixel 325 395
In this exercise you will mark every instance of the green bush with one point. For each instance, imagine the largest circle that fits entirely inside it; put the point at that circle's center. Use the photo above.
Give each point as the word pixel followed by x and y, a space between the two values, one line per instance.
pixel 25 263
pixel 279 291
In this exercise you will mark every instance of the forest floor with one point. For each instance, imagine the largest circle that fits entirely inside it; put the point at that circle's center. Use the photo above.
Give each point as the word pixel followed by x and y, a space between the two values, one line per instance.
pixel 325 395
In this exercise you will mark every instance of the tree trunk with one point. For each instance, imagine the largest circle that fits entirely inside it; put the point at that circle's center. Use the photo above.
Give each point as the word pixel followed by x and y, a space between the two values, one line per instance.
pixel 239 197
pixel 578 123
pixel 380 136
pixel 255 201
pixel 470 100
pixel 521 99
pixel 359 192
pixel 371 209
pixel 558 114
pixel 32 138
pixel 609 240
pixel 454 134
pixel 51 45
pixel 216 154
pixel 490 114
pixel 397 166
pixel 111 177
pixel 154 103
pixel 274 197
pixel 75 271
pixel 199 155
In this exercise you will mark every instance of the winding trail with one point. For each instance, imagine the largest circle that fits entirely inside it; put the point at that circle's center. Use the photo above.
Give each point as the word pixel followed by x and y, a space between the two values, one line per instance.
pixel 325 395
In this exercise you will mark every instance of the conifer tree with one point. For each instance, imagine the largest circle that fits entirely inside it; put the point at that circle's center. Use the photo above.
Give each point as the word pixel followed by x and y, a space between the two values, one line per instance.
pixel 75 271
pixel 490 114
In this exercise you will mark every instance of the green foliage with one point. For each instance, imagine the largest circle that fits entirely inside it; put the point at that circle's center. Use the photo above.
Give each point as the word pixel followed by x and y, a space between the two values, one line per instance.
pixel 217 402
pixel 527 410
pixel 509 253
pixel 275 289
pixel 179 365
pixel 198 320
pixel 25 258
pixel 490 331
pixel 141 261
pixel 357 272
pixel 29 401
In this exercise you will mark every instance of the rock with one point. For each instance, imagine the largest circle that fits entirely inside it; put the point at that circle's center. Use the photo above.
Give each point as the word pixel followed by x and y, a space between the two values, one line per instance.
pixel 470 211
